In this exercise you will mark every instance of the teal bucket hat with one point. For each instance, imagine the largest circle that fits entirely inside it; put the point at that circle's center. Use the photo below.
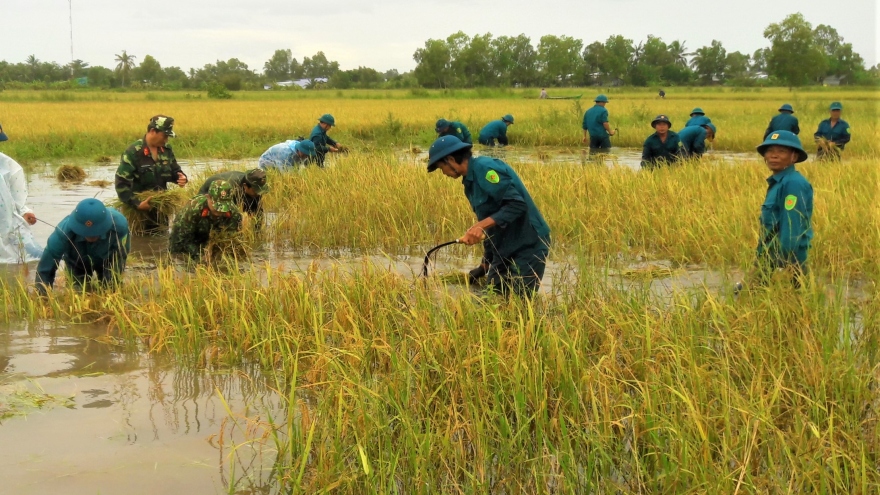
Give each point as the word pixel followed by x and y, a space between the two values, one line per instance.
pixel 697 111
pixel 327 119
pixel 786 108
pixel 306 148
pixel 836 106
pixel 507 118
pixel 442 148
pixel 601 99
pixel 90 218
pixel 784 138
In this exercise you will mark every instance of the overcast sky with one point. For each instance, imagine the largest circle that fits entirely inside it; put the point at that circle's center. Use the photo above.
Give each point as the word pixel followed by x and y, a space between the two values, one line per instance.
pixel 384 34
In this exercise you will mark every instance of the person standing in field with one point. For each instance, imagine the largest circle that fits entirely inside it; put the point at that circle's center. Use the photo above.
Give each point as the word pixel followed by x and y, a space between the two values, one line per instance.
pixel 323 143
pixel 452 128
pixel 17 244
pixel 496 131
pixel 663 147
pixel 693 139
pixel 662 94
pixel 248 188
pixel 92 241
pixel 597 130
pixel 698 117
pixel 508 222
pixel 543 95
pixel 787 211
pixel 290 153
pixel 832 135
pixel 785 121
pixel 206 212
pixel 149 164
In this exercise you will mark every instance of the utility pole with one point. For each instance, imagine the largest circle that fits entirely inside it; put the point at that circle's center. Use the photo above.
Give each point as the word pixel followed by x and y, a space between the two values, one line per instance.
pixel 70 11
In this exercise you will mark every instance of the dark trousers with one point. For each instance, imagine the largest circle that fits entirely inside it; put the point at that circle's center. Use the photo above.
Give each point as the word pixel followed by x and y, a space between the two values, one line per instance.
pixel 502 140
pixel 85 273
pixel 599 143
pixel 520 274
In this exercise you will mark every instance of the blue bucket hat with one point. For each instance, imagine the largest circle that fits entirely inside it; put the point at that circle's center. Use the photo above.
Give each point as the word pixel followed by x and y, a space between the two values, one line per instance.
pixel 442 148
pixel 507 118
pixel 601 99
pixel 327 119
pixel 306 148
pixel 441 124
pixel 90 218
pixel 836 106
pixel 786 108
pixel 697 111
pixel 3 136
pixel 783 138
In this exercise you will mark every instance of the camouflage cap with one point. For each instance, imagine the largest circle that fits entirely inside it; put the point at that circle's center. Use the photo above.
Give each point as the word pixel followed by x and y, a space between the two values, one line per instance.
pixel 256 178
pixel 162 123
pixel 221 192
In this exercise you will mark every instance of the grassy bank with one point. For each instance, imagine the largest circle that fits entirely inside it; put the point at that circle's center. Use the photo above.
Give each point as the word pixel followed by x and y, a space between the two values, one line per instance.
pixel 96 124
pixel 395 385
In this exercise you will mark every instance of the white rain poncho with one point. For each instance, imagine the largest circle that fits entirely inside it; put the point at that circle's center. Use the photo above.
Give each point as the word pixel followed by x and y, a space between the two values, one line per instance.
pixel 17 244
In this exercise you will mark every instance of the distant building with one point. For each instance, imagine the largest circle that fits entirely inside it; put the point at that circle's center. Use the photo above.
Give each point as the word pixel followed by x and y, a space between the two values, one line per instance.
pixel 302 83
pixel 834 81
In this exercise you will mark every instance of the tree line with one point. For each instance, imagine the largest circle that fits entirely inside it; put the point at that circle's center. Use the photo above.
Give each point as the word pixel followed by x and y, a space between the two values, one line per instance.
pixel 798 55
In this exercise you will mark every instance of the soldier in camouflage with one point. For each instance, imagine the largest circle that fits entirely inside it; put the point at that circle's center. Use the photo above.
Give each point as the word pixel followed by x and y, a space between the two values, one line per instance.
pixel 248 188
pixel 149 164
pixel 206 212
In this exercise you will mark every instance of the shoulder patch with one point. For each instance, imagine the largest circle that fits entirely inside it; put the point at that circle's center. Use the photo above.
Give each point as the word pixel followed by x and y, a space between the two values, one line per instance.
pixel 790 202
pixel 492 176
pixel 848 130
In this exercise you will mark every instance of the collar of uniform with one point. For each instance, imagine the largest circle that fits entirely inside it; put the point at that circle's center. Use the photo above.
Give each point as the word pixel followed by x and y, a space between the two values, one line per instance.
pixel 147 148
pixel 471 175
pixel 781 175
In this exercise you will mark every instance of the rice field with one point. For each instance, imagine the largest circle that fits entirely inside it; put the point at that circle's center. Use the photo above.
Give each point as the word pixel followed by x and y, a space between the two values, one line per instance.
pixel 394 383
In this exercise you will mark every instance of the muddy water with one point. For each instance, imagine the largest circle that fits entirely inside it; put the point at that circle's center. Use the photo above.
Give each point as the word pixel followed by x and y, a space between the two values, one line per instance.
pixel 135 420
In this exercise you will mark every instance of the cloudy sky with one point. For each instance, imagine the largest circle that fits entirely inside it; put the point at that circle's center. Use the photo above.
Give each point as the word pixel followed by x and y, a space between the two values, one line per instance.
pixel 384 34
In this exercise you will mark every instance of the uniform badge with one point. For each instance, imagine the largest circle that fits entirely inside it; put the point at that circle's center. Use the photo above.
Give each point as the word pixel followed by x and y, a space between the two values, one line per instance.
pixel 89 223
pixel 790 202
pixel 492 176
pixel 775 136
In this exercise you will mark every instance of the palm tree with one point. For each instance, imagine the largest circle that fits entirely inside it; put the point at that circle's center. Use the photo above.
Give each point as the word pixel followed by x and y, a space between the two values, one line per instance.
pixel 126 63
pixel 34 65
pixel 679 53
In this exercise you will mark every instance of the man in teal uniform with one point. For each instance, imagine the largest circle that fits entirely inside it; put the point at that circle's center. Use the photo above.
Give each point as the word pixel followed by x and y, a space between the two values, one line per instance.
pixel 832 135
pixel 596 126
pixel 496 131
pixel 693 139
pixel 452 128
pixel 149 164
pixel 248 188
pixel 663 147
pixel 785 121
pixel 698 117
pixel 787 211
pixel 513 229
pixel 323 143
pixel 92 241
pixel 206 212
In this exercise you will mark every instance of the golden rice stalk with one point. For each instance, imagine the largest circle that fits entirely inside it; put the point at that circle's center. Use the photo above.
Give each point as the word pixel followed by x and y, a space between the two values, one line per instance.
pixel 70 173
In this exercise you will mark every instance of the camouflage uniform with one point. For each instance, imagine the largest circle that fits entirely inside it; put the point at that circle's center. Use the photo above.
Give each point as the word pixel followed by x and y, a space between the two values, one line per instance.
pixel 138 172
pixel 255 178
pixel 192 226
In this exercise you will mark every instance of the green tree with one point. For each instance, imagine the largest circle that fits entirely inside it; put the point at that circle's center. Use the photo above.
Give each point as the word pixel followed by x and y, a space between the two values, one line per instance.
pixel 514 60
pixel 559 59
pixel 319 67
pixel 473 64
pixel 277 68
pixel 125 63
pixel 795 57
pixel 174 78
pixel 149 70
pixel 78 68
pixel 433 64
pixel 840 58
pixel 736 66
pixel 710 62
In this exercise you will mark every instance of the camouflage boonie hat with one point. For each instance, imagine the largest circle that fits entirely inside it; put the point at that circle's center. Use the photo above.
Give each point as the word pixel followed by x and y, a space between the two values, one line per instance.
pixel 162 123
pixel 221 192
pixel 256 178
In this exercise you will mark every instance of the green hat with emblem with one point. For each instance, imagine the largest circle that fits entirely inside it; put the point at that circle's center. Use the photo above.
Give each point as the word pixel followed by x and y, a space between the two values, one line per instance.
pixel 221 192
pixel 90 218
pixel 786 108
pixel 836 106
pixel 660 118
pixel 507 118
pixel 442 148
pixel 327 119
pixel 697 111
pixel 601 99
pixel 783 138
pixel 162 123
pixel 305 147
pixel 256 178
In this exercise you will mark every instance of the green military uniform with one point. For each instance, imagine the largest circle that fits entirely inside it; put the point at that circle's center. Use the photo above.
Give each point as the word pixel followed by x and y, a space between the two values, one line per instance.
pixel 139 172
pixel 594 122
pixel 785 121
pixel 453 128
pixel 192 227
pixel 322 141
pixel 495 131
pixel 656 153
pixel 251 205
pixel 838 133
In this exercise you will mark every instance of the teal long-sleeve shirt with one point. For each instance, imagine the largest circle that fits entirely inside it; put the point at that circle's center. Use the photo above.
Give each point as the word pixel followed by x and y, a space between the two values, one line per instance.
pixel 656 152
pixel 698 120
pixel 594 121
pixel 494 190
pixel 321 139
pixel 495 129
pixel 783 122
pixel 458 130
pixel 840 134
pixel 786 218
pixel 110 250
pixel 693 140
